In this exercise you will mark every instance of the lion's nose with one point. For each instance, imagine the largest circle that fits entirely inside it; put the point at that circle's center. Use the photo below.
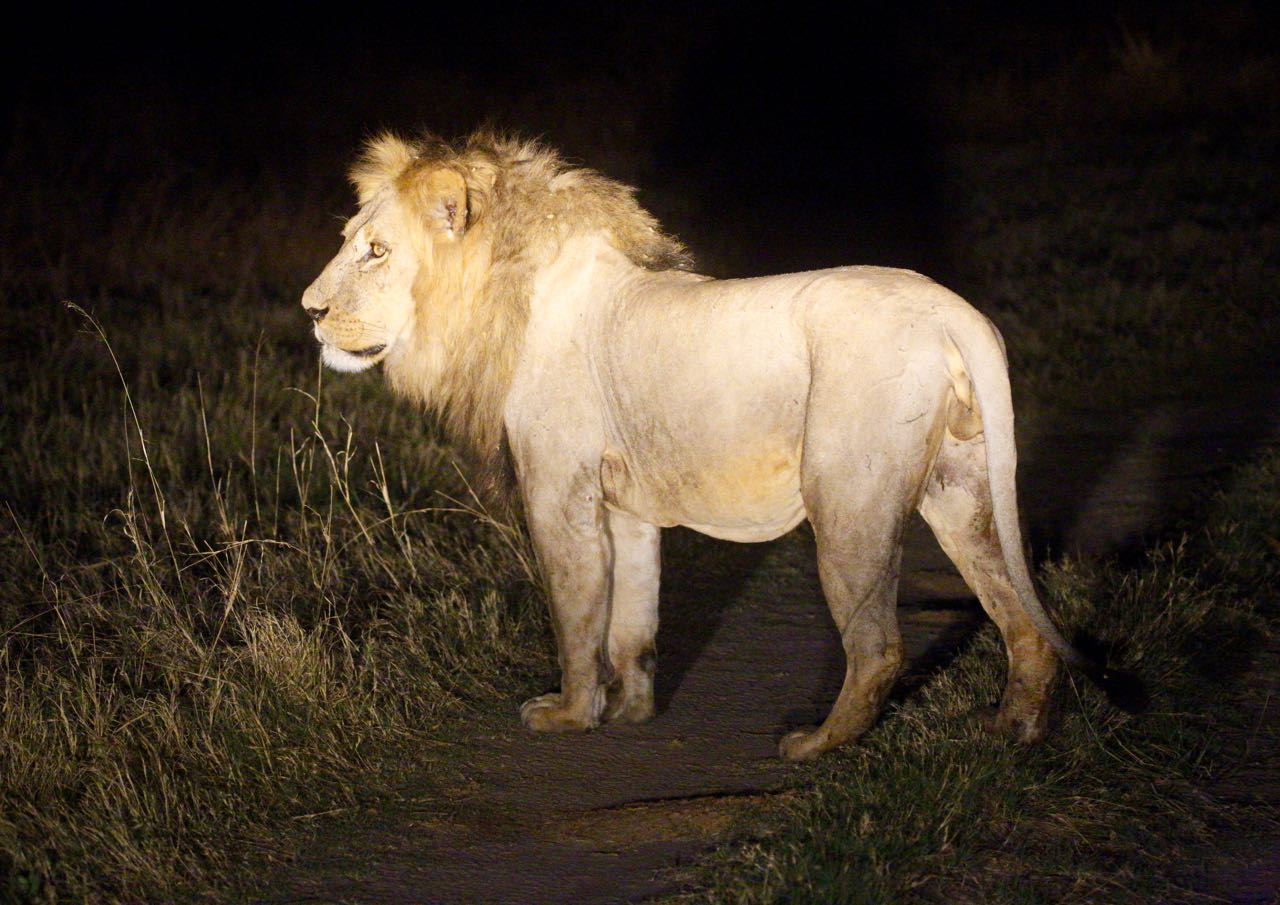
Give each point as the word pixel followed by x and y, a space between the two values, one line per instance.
pixel 315 302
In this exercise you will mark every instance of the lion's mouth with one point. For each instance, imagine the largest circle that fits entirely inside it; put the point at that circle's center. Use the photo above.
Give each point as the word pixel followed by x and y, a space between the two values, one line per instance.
pixel 367 352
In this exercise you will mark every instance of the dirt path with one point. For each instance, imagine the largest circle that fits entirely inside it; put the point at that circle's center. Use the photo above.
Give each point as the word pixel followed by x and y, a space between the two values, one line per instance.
pixel 747 651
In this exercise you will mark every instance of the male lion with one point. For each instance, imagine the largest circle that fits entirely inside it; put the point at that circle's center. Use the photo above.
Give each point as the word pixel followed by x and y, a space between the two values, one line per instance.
pixel 556 329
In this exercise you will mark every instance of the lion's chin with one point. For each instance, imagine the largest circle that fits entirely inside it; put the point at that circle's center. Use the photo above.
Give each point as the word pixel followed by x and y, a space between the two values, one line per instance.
pixel 350 362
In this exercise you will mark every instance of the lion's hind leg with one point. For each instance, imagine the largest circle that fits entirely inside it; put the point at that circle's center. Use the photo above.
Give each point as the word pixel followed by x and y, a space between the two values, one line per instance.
pixel 859 548
pixel 633 618
pixel 957 506
pixel 861 587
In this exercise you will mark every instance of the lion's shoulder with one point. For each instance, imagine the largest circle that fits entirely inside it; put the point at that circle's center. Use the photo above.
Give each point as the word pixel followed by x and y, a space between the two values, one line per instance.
pixel 522 203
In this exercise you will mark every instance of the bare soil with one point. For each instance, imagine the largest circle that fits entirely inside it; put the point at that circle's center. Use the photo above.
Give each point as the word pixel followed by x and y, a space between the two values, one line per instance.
pixel 747 651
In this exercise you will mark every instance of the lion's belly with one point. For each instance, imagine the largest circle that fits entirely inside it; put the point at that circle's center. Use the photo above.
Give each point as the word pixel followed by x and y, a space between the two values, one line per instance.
pixel 750 496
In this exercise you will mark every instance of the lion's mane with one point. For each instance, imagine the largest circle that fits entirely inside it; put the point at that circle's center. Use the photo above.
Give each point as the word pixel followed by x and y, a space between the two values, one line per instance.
pixel 472 295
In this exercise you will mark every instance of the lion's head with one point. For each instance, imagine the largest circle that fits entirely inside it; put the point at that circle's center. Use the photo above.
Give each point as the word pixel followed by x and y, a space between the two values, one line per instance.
pixel 411 211
pixel 436 269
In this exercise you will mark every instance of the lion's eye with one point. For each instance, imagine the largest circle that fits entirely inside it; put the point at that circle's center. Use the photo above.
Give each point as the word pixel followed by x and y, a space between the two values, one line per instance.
pixel 377 250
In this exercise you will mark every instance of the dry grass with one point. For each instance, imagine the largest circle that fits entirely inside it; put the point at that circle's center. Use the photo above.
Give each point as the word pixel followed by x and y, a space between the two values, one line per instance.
pixel 247 632
pixel 233 595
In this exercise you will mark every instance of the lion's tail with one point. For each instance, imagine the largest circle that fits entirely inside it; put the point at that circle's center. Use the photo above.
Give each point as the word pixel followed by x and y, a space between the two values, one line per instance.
pixel 982 353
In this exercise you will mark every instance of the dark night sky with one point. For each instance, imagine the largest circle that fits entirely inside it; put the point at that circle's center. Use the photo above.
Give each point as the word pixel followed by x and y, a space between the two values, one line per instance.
pixel 784 117
pixel 739 75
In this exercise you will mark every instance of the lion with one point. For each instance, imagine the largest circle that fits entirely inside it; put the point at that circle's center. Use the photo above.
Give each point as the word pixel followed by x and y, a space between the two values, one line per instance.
pixel 567 344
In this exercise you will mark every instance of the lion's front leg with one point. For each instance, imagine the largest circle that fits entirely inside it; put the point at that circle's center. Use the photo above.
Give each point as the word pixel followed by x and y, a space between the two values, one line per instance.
pixel 633 617
pixel 566 523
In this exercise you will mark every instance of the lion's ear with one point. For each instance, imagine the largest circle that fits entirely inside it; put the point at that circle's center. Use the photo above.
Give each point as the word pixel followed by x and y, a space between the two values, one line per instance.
pixel 385 157
pixel 439 196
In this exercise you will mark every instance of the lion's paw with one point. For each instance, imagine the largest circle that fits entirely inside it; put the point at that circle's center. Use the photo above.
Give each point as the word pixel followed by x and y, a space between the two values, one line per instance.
pixel 1028 731
pixel 547 713
pixel 623 707
pixel 803 744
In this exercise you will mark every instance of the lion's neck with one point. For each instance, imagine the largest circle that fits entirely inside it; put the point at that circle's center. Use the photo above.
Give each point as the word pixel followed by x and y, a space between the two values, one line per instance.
pixel 460 353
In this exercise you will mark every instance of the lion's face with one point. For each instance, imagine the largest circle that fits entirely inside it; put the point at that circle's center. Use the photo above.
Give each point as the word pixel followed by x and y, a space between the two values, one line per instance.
pixel 362 302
